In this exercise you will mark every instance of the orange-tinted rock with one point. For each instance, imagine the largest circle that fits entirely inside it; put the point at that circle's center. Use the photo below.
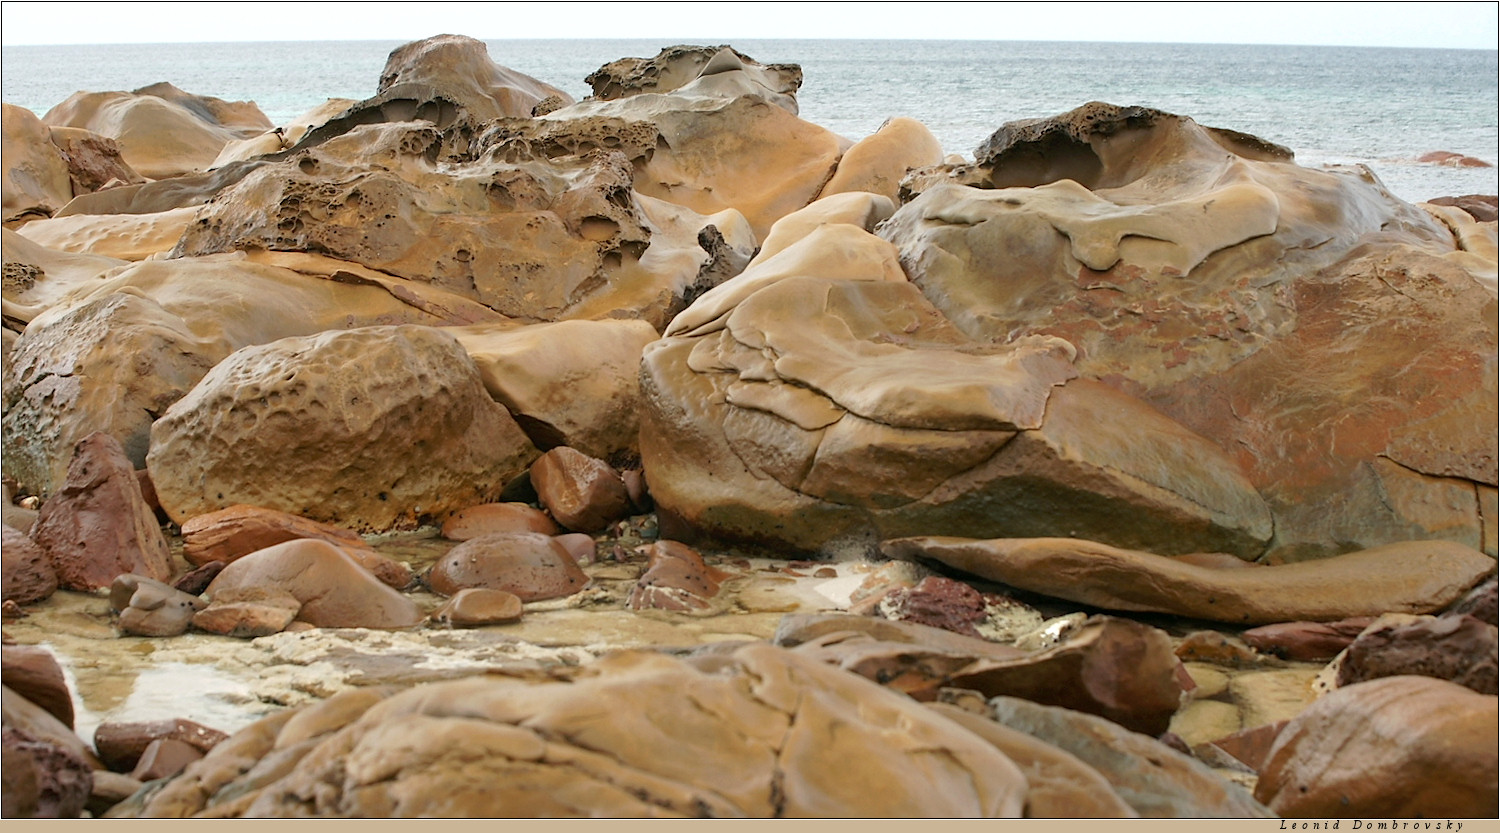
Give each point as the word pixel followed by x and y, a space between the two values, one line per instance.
pixel 195 581
pixel 1399 747
pixel 261 614
pixel 240 530
pixel 1251 746
pixel 36 182
pixel 486 518
pixel 94 161
pixel 333 589
pixel 1460 649
pixel 28 573
pixel 676 578
pixel 532 566
pixel 1306 641
pixel 97 525
pixel 474 607
pixel 33 673
pixel 121 743
pixel 581 546
pixel 583 493
pixel 1484 208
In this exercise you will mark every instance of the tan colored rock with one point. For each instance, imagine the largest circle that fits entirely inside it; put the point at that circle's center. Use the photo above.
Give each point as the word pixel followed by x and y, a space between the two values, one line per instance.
pixel 1198 269
pixel 1412 577
pixel 37 277
pixel 36 182
pixel 1059 785
pixel 284 136
pixel 152 608
pixel 679 66
pixel 251 614
pixel 333 589
pixel 878 162
pixel 474 607
pixel 28 573
pixel 758 733
pixel 573 383
pixel 474 521
pixel 97 525
pixel 239 530
pixel 347 412
pixel 584 494
pixel 1404 747
pixel 534 567
pixel 458 69
pixel 162 130
pixel 1155 780
pixel 129 237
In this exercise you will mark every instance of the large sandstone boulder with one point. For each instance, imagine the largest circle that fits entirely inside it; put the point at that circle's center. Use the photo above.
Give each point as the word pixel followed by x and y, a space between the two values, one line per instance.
pixel 1409 577
pixel 372 429
pixel 1306 320
pixel 818 400
pixel 36 277
pixel 94 161
pixel 759 732
pixel 124 236
pixel 329 588
pixel 35 183
pixel 878 162
pixel 1404 747
pixel 162 131
pixel 115 358
pixel 679 66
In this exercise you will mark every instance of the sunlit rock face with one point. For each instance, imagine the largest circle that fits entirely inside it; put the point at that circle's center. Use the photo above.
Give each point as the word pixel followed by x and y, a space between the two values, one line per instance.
pixel 1338 342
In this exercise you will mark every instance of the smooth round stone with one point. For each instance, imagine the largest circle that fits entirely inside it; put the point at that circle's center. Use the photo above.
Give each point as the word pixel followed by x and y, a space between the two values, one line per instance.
pixel 532 566
pixel 477 606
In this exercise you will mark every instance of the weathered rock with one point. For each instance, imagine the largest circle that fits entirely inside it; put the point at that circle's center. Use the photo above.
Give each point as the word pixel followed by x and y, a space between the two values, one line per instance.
pixel 348 413
pixel 797 629
pixel 333 589
pixel 474 521
pixel 162 131
pixel 196 580
pixel 252 613
pixel 37 277
pixel 676 578
pixel 878 162
pixel 1158 782
pixel 36 182
pixel 679 66
pixel 1404 747
pixel 239 530
pixel 534 567
pixel 457 70
pixel 1411 577
pixel 192 189
pixel 572 383
pixel 32 672
pixel 1306 641
pixel 42 780
pixel 164 758
pixel 93 161
pixel 1218 648
pixel 115 358
pixel 1059 785
pixel 757 732
pixel 1251 746
pixel 125 236
pixel 578 544
pixel 474 607
pixel 1197 269
pixel 37 722
pixel 1459 649
pixel 97 525
pixel 584 494
pixel 938 602
pixel 1452 160
pixel 1482 207
pixel 28 572
pixel 152 608
pixel 1479 602
pixel 122 743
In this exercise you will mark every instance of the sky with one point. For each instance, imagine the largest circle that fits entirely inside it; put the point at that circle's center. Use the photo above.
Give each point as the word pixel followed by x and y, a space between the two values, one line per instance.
pixel 1440 25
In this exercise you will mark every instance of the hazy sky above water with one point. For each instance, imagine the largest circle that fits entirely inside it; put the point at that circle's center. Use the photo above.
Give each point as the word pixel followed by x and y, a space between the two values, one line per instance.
pixel 1441 25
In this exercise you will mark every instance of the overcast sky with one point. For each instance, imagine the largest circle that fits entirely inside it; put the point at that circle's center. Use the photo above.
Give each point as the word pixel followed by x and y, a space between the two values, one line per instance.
pixel 1450 25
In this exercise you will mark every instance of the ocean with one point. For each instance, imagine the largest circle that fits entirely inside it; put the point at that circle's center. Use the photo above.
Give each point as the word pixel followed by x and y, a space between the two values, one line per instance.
pixel 1380 107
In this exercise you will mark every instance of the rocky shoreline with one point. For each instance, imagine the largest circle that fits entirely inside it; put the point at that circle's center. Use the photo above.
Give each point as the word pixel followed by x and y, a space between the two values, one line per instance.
pixel 472 451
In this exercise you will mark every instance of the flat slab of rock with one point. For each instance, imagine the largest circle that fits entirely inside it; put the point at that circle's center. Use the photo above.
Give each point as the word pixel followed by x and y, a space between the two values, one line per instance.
pixel 474 521
pixel 1408 577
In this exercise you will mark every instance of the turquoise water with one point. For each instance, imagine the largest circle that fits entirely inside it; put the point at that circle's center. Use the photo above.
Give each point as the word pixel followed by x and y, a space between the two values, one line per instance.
pixel 1331 105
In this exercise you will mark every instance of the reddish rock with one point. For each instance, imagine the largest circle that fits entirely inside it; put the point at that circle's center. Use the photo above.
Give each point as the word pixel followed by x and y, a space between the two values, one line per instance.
pixel 583 493
pixel 152 608
pixel 496 517
pixel 1251 746
pixel 1484 208
pixel 121 744
pixel 28 574
pixel 196 580
pixel 42 780
pixel 939 602
pixel 148 494
pixel 1452 160
pixel 97 525
pixel 1457 648
pixel 239 530
pixel 33 673
pixel 1398 747
pixel 638 490
pixel 1306 641
pixel 474 607
pixel 247 619
pixel 163 758
pixel 530 565
pixel 579 544
pixel 676 578
pixel 1479 603
pixel 1217 648
pixel 333 589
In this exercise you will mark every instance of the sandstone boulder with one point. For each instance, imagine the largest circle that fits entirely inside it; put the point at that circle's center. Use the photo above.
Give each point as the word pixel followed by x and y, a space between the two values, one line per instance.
pixel 679 66
pixel 36 182
pixel 28 573
pixel 758 732
pixel 32 672
pixel 459 70
pixel 152 608
pixel 1461 649
pixel 239 530
pixel 97 525
pixel 334 591
pixel 676 578
pixel 42 779
pixel 36 277
pixel 531 566
pixel 1306 641
pixel 583 493
pixel 474 607
pixel 94 161
pixel 474 521
pixel 121 743
pixel 130 237
pixel 878 162
pixel 1411 577
pixel 337 428
pixel 1404 747
pixel 1198 269
pixel 164 758
pixel 162 131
